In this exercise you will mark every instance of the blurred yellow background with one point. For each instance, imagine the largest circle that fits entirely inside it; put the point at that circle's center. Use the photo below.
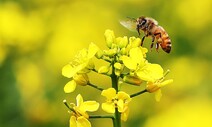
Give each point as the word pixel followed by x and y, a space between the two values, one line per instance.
pixel 38 37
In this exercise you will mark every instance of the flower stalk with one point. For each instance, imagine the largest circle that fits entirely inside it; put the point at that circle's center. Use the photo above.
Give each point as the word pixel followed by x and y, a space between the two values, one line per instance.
pixel 95 86
pixel 138 93
pixel 114 79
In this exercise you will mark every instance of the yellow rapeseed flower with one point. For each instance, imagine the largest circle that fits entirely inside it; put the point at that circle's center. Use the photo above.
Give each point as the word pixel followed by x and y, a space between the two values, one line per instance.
pixel 114 100
pixel 155 87
pixel 135 60
pixel 150 72
pixel 77 69
pixel 79 117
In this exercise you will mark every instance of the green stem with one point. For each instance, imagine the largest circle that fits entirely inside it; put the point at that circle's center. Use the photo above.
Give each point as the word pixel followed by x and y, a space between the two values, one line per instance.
pixel 138 93
pixel 98 116
pixel 114 79
pixel 117 118
pixel 94 86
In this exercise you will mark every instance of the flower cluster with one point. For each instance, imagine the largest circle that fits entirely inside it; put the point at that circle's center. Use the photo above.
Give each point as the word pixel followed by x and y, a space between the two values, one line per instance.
pixel 127 63
pixel 79 117
pixel 118 100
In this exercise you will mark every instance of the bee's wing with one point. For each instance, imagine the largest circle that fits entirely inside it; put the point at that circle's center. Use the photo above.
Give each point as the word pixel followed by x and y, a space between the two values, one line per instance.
pixel 129 23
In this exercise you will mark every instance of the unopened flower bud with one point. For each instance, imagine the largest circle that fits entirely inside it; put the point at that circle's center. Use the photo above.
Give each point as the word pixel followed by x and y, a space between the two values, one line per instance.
pixel 99 54
pixel 111 52
pixel 122 41
pixel 109 38
pixel 123 51
pixel 81 79
pixel 132 80
pixel 135 42
pixel 117 66
pixel 104 69
pixel 117 72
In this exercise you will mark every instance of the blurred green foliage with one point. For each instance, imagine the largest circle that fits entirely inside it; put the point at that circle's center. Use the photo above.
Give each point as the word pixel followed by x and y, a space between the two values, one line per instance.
pixel 37 38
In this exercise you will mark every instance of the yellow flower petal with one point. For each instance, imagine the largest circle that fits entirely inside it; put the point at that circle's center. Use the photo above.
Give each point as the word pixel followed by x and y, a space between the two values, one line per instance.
pixel 136 54
pixel 72 122
pixel 108 107
pixel 158 95
pixel 166 82
pixel 120 105
pixel 109 93
pixel 124 114
pixel 70 86
pixel 92 50
pixel 79 100
pixel 150 72
pixel 124 96
pixel 83 122
pixel 129 62
pixel 68 71
pixel 144 51
pixel 91 106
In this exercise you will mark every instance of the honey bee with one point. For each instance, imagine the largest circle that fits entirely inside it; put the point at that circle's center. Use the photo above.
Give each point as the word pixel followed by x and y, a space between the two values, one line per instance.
pixel 150 28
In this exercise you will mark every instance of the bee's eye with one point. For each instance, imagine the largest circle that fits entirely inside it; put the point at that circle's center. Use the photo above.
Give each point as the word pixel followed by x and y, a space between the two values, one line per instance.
pixel 143 21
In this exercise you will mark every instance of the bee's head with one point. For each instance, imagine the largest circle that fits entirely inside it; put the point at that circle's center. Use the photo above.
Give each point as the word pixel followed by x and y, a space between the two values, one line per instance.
pixel 142 23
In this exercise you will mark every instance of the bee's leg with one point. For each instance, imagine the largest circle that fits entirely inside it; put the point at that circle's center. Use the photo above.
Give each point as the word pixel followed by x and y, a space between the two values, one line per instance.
pixel 152 45
pixel 157 46
pixel 153 39
pixel 142 40
pixel 138 30
pixel 157 43
pixel 145 35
